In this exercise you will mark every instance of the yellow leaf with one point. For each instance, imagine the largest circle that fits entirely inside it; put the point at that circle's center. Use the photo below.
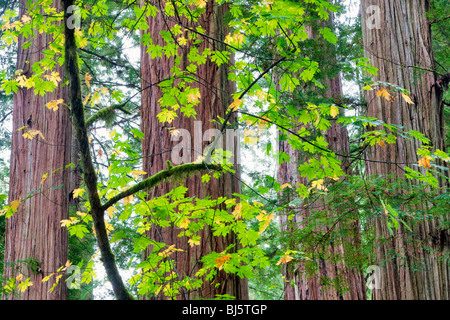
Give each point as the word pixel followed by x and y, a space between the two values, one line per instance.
pixel 66 223
pixel 284 259
pixel 182 41
pixel 268 220
pixel 137 173
pixel 193 97
pixel 199 159
pixel 15 204
pixel 318 184
pixel 381 143
pixel 174 132
pixel 425 162
pixel 286 185
pixel 251 140
pixel 25 18
pixel 47 277
pixel 31 133
pixel 193 242
pixel 237 211
pixel 407 98
pixel 334 111
pixel 77 192
pixel 110 211
pixel 109 227
pixel 316 123
pixel 86 99
pixel 185 223
pixel 43 178
pixel 87 79
pixel 19 277
pixel 128 199
pixel 384 93
pixel 53 105
pixel 235 105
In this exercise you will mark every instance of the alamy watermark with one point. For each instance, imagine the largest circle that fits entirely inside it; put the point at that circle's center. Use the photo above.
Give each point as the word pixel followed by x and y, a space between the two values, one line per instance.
pixel 373 17
pixel 373 275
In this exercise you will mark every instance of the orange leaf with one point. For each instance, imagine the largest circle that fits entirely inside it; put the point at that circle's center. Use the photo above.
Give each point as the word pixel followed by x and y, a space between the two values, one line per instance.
pixel 220 261
pixel 87 78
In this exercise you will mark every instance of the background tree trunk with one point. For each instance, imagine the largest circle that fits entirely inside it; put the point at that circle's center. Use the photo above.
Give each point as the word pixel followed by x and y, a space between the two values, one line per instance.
pixel 34 232
pixel 329 276
pixel 398 43
pixel 215 90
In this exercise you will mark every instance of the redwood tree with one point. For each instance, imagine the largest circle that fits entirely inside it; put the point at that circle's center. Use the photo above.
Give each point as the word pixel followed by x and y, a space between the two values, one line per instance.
pixel 397 40
pixel 329 274
pixel 158 144
pixel 36 245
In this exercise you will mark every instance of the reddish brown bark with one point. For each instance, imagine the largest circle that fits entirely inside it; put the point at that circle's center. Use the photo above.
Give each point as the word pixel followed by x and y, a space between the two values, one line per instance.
pixel 35 229
pixel 333 277
pixel 215 90
pixel 399 45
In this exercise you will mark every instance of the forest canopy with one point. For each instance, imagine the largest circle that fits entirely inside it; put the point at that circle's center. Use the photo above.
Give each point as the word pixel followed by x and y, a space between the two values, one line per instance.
pixel 216 149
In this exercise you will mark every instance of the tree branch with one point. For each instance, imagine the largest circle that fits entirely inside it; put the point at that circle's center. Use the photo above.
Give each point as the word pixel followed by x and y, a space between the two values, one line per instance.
pixel 151 182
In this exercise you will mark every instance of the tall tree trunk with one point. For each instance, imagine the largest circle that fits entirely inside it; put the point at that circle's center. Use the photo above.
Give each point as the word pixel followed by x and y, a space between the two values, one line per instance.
pixel 397 40
pixel 34 233
pixel 329 276
pixel 215 90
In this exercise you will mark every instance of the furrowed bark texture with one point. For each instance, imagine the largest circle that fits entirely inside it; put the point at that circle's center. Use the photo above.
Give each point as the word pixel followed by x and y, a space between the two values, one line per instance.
pixel 34 232
pixel 334 278
pixel 215 90
pixel 399 45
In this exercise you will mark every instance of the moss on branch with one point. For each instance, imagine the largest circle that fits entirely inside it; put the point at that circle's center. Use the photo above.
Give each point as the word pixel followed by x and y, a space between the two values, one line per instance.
pixel 178 172
pixel 106 114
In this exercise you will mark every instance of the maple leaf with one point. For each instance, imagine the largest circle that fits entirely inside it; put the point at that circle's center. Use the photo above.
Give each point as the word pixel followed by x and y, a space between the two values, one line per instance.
pixel 87 79
pixel 237 211
pixel 185 223
pixel 286 185
pixel 174 132
pixel 407 98
pixel 77 192
pixel 425 162
pixel 15 204
pixel 182 41
pixel 267 220
pixel 44 177
pixel 195 241
pixel 25 18
pixel 284 259
pixel 110 211
pixel 318 184
pixel 334 111
pixel 66 223
pixel 235 105
pixel 31 133
pixel 128 199
pixel 137 173
pixel 48 277
pixel 384 93
pixel 193 97
pixel 220 261
pixel 86 99
pixel 381 143
pixel 53 105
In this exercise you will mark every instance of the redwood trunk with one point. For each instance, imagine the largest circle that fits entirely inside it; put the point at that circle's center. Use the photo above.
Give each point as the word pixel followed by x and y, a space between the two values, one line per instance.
pixel 35 232
pixel 215 90
pixel 331 266
pixel 399 45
